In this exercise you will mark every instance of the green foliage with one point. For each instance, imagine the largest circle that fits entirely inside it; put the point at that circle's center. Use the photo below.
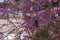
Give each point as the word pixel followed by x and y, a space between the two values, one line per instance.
pixel 44 33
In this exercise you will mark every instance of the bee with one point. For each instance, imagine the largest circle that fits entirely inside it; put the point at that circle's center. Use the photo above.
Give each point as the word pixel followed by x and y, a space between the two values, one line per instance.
pixel 36 24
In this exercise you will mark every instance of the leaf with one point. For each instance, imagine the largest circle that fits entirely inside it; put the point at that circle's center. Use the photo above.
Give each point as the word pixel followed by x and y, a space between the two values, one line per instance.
pixel 44 33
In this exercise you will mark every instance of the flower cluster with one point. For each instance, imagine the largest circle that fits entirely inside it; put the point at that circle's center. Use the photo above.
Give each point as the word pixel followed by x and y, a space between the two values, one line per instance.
pixel 37 14
pixel 40 11
pixel 6 7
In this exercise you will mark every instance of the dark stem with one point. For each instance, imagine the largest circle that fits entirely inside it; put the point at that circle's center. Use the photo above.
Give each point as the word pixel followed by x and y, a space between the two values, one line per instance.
pixel 36 23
